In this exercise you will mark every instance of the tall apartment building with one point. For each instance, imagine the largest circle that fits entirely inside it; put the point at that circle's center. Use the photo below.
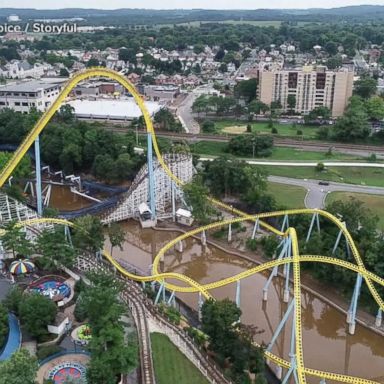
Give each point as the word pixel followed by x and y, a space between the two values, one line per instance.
pixel 312 86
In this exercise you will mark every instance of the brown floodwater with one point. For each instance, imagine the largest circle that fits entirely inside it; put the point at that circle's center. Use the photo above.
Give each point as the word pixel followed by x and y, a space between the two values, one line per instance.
pixel 64 200
pixel 326 343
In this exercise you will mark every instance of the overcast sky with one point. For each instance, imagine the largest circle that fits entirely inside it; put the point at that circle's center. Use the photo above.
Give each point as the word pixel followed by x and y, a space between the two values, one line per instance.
pixel 169 4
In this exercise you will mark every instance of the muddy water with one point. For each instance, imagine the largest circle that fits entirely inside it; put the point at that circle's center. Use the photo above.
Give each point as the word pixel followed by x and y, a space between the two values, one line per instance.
pixel 327 345
pixel 64 200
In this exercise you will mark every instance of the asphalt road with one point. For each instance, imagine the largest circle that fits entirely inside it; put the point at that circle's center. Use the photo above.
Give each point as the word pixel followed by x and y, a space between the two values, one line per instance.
pixel 316 194
pixel 185 115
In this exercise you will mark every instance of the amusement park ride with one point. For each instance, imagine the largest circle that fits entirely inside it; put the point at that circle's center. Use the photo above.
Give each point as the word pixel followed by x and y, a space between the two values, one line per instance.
pixel 289 257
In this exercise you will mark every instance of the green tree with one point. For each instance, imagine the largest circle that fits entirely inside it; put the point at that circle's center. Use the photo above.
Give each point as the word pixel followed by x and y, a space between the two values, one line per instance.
pixel 223 68
pixel 318 112
pixel 15 240
pixel 246 89
pixel 220 321
pixel 88 234
pixel 375 108
pixel 103 167
pixel 124 168
pixel 21 368
pixel 36 313
pixel 353 125
pixel 166 121
pixel 93 62
pixel 365 87
pixel 257 107
pixel 208 126
pixel 275 107
pixel 54 249
pixel 196 197
pixel 66 114
pixel 116 236
pixel 251 145
pixel 291 103
pixel 334 62
pixel 13 299
pixel 110 356
pixel 64 72
pixel 331 48
pixel 23 169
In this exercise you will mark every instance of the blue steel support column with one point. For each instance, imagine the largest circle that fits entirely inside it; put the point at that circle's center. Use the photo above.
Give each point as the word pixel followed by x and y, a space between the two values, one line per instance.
pixel 159 292
pixel 255 228
pixel 151 177
pixel 238 293
pixel 38 177
pixel 318 222
pixel 68 235
pixel 199 306
pixel 353 308
pixel 337 242
pixel 281 326
pixel 310 228
pixel 285 223
pixel 286 242
pixel 292 353
pixel 171 298
pixel 173 202
pixel 379 318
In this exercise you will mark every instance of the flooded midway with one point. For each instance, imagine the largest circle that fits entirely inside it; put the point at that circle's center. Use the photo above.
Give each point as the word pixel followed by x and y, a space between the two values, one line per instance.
pixel 327 345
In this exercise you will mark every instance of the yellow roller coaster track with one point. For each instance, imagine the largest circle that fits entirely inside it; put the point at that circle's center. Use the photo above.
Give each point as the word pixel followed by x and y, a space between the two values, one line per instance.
pixel 191 285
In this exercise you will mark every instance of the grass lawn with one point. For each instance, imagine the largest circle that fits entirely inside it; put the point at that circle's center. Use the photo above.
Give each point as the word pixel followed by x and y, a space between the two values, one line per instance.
pixel 352 175
pixel 235 127
pixel 289 196
pixel 279 153
pixel 374 202
pixel 171 366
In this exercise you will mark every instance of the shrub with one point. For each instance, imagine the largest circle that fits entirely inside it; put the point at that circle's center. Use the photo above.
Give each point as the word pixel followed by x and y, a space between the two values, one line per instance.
pixel 320 167
pixel 251 244
pixel 44 352
pixel 13 299
pixel 173 315
pixel 208 126
pixel 80 312
pixel 274 130
pixel 249 128
pixel 219 234
pixel 299 132
pixel 372 157
pixel 198 336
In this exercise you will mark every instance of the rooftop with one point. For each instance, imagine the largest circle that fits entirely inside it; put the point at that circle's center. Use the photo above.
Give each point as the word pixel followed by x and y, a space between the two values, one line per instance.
pixel 27 86
pixel 110 108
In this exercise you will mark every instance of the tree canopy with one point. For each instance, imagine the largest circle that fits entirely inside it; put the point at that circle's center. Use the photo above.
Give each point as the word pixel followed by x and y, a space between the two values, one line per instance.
pixel 21 368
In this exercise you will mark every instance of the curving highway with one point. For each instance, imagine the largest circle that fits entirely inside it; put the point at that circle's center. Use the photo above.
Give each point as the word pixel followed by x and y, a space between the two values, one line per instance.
pixel 188 284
